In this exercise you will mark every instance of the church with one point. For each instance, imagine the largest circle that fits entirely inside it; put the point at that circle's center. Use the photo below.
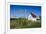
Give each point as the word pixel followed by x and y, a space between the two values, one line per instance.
pixel 33 17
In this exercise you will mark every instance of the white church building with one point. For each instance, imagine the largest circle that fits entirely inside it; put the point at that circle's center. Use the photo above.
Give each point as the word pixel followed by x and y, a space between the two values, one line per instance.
pixel 33 17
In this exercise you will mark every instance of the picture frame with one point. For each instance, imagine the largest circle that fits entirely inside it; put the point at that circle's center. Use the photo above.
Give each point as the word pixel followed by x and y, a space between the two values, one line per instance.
pixel 8 30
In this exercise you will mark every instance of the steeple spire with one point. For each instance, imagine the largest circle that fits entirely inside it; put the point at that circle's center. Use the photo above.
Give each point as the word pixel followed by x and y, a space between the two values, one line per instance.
pixel 33 15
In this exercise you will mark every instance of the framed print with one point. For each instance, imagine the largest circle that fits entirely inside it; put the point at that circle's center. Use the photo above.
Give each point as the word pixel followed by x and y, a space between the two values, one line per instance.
pixel 22 17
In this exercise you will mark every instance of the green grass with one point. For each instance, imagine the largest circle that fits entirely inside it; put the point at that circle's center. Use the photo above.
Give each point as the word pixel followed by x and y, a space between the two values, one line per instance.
pixel 24 23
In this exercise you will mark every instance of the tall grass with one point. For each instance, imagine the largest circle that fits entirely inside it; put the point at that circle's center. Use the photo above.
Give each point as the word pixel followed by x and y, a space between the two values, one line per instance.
pixel 24 23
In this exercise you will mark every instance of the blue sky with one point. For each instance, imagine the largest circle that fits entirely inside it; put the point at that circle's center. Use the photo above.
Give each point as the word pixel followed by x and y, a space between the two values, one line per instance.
pixel 23 10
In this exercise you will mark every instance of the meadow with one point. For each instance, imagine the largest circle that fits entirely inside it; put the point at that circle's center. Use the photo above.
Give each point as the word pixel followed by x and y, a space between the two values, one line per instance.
pixel 18 23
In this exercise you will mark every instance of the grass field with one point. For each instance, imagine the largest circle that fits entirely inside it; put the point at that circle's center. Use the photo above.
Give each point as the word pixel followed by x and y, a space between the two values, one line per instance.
pixel 23 23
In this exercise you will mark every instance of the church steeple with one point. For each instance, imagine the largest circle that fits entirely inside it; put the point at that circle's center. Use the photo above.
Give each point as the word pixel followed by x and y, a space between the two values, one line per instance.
pixel 33 15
